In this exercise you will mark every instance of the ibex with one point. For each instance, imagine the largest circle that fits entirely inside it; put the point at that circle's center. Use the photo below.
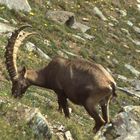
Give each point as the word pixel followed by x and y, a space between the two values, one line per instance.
pixel 82 82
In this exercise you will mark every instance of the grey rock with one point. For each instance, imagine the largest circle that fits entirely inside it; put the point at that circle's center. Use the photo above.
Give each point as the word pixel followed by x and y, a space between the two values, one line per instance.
pixel 87 36
pixel 31 47
pixel 136 29
pixel 113 19
pixel 61 128
pixel 137 50
pixel 123 13
pixel 129 23
pixel 136 42
pixel 125 126
pixel 38 123
pixel 111 24
pixel 70 53
pixel 4 20
pixel 84 36
pixel 132 69
pixel 80 26
pixel 79 37
pixel 60 136
pixel 5 28
pixel 125 31
pixel 136 84
pixel 59 16
pixel 99 13
pixel 138 7
pixel 130 92
pixel 13 22
pixel 26 115
pixel 123 78
pixel 17 4
pixel 67 18
pixel 115 61
pixel 68 135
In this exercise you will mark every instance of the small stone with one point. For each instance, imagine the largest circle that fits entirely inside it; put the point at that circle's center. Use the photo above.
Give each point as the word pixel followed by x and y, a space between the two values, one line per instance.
pixel 138 6
pixel 89 37
pixel 68 135
pixel 4 20
pixel 126 46
pixel 79 37
pixel 138 51
pixel 132 69
pixel 125 31
pixel 114 19
pixel 136 42
pixel 61 128
pixel 60 136
pixel 31 47
pixel 136 29
pixel 111 24
pixel 85 19
pixel 122 77
pixel 129 23
pixel 99 13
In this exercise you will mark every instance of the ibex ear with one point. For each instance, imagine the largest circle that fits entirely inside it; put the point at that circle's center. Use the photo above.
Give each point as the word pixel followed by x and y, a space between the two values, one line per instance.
pixel 23 72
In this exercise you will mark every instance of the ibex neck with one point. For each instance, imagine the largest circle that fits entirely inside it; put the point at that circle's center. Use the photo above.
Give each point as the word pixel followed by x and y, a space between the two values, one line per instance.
pixel 36 78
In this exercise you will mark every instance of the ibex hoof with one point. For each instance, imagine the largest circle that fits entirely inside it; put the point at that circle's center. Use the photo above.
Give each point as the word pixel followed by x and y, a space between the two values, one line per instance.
pixel 67 116
pixel 97 128
pixel 60 110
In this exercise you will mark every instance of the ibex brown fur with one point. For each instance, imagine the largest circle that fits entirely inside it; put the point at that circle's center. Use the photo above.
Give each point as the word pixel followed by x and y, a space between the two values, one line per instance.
pixel 82 82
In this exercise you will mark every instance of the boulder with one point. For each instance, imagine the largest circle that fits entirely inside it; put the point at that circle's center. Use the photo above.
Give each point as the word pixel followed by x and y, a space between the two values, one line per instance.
pixel 17 4
pixel 31 47
pixel 4 28
pixel 59 16
pixel 125 126
pixel 17 113
pixel 67 18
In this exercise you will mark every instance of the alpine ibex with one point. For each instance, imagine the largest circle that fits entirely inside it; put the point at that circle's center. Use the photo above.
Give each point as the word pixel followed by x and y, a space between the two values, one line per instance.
pixel 82 82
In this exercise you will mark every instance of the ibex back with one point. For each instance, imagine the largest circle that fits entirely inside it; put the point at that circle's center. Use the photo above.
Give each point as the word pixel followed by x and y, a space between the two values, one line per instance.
pixel 82 82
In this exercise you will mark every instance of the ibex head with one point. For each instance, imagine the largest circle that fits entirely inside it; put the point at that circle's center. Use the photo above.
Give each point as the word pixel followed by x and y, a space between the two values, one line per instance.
pixel 18 78
pixel 20 85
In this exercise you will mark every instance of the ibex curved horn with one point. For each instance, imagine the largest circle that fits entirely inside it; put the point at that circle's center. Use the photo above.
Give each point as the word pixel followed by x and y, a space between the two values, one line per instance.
pixel 11 51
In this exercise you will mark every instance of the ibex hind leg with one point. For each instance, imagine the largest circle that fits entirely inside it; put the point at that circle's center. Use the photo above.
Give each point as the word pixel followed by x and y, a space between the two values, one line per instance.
pixel 105 108
pixel 99 121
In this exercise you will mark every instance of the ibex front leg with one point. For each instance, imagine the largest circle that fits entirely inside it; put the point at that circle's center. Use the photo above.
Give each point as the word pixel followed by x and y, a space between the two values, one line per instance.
pixel 63 104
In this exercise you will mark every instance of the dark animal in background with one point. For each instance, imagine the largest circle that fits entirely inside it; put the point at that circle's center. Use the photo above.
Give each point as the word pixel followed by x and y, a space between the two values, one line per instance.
pixel 82 82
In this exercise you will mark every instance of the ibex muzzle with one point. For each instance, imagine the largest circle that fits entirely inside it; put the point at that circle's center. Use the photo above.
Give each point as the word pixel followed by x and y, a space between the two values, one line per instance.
pixel 20 85
pixel 82 82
